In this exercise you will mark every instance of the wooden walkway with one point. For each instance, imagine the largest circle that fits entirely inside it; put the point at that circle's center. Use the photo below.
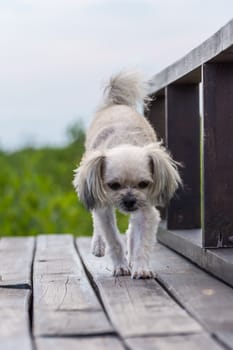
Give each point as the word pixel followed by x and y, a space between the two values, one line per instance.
pixel 55 295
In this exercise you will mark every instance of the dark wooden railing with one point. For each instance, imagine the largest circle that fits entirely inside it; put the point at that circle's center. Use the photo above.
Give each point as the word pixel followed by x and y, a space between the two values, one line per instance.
pixel 200 81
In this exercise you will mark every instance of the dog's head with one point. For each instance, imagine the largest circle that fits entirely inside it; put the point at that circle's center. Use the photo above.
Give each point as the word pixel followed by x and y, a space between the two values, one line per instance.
pixel 127 177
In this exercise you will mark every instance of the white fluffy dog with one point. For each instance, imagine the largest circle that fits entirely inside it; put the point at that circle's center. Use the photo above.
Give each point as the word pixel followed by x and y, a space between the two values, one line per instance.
pixel 125 167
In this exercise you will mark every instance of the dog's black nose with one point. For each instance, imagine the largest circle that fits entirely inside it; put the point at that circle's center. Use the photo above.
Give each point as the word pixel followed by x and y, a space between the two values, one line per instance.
pixel 129 202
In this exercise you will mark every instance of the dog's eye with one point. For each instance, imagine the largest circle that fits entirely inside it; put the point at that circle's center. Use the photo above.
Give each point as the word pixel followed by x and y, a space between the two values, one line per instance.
pixel 114 186
pixel 143 184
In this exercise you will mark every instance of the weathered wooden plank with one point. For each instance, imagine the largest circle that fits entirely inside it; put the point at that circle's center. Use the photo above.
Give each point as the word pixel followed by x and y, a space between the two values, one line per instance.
pixel 209 300
pixel 218 155
pixel 64 301
pixel 183 140
pixel 70 323
pixel 16 255
pixel 87 343
pixel 188 243
pixel 184 342
pixel 15 298
pixel 14 325
pixel 188 68
pixel 136 307
pixel 14 330
pixel 60 282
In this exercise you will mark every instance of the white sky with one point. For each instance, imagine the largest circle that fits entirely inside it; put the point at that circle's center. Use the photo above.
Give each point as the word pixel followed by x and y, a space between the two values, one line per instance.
pixel 54 55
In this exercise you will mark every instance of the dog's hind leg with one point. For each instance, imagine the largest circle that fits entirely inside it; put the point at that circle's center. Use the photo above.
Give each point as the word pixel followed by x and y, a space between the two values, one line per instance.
pixel 105 229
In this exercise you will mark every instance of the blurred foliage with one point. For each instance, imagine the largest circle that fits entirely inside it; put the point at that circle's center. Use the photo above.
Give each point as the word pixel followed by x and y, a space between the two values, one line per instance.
pixel 36 190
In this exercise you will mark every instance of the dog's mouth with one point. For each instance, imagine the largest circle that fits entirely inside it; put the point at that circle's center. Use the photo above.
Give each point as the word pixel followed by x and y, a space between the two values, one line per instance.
pixel 131 209
pixel 128 211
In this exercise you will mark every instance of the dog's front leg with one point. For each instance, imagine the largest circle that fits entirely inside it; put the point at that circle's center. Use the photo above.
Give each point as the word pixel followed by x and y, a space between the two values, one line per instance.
pixel 105 226
pixel 141 236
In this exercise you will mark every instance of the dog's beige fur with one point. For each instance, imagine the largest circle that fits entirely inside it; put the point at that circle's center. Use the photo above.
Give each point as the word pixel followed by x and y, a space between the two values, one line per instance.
pixel 125 167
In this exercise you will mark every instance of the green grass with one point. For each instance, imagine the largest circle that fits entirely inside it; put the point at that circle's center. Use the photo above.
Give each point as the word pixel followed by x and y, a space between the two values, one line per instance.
pixel 37 194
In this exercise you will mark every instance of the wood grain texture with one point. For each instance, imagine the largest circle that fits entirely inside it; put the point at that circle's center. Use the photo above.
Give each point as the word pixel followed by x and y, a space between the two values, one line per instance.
pixel 14 325
pixel 184 342
pixel 218 155
pixel 183 141
pixel 209 300
pixel 16 254
pixel 136 307
pixel 15 298
pixel 70 323
pixel 91 343
pixel 64 301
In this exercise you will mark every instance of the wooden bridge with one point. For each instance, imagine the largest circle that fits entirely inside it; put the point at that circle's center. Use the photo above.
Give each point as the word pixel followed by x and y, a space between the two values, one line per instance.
pixel 55 295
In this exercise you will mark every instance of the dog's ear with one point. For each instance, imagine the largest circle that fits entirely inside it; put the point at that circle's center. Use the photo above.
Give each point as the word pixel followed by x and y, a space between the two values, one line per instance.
pixel 166 178
pixel 88 181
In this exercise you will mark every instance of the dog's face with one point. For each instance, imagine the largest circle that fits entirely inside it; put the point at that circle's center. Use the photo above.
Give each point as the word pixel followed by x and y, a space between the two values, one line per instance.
pixel 127 177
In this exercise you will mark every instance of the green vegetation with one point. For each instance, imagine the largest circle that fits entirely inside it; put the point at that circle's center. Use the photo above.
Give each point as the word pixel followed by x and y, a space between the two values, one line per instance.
pixel 36 191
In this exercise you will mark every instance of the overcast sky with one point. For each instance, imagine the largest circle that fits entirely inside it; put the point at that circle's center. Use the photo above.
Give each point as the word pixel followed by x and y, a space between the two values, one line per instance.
pixel 55 54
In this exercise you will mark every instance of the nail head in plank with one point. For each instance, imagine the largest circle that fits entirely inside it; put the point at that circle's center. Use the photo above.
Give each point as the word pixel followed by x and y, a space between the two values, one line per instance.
pixel 136 307
pixel 87 343
pixel 16 255
pixel 64 301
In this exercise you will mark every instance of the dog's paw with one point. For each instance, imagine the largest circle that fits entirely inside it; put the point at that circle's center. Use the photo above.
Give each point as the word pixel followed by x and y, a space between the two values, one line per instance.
pixel 98 247
pixel 142 273
pixel 121 270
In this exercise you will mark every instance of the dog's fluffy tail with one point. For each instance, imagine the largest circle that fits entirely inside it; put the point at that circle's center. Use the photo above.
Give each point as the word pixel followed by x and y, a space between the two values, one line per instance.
pixel 126 88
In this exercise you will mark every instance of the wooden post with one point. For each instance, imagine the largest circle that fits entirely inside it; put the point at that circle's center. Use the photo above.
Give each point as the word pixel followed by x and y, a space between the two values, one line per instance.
pixel 218 155
pixel 156 116
pixel 183 141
